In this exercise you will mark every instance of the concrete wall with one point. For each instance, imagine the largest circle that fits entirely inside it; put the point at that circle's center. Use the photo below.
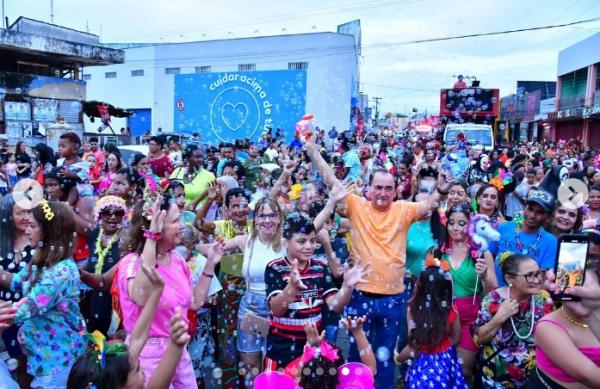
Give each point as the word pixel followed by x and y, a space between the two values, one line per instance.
pixel 332 72
pixel 580 55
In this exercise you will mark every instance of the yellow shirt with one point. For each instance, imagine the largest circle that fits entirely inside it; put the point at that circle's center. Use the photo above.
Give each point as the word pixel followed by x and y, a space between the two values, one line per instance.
pixel 195 187
pixel 379 238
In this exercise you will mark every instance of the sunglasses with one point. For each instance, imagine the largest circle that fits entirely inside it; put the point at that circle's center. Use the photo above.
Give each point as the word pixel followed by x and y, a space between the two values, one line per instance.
pixel 107 213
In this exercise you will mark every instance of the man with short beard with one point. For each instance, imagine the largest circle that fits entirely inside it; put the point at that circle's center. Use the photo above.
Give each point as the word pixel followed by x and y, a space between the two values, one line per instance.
pixel 529 239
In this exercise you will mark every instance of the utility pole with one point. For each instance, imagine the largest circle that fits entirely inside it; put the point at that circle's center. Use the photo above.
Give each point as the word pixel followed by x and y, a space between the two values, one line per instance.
pixel 377 99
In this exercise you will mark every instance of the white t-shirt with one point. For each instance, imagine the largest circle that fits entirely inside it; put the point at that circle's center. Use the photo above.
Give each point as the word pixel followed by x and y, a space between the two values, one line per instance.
pixel 256 258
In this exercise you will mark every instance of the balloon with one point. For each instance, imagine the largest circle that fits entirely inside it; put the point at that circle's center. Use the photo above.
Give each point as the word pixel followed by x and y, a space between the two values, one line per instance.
pixel 355 375
pixel 305 126
pixel 275 380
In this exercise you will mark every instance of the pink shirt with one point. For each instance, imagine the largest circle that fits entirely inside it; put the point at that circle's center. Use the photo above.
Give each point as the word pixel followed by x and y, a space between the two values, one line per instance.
pixel 176 293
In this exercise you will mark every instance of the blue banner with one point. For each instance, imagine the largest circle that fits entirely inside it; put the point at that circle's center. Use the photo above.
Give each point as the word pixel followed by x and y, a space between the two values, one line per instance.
pixel 223 107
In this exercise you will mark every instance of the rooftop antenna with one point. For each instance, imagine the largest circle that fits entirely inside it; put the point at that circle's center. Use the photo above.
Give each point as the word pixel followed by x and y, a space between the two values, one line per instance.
pixel 52 11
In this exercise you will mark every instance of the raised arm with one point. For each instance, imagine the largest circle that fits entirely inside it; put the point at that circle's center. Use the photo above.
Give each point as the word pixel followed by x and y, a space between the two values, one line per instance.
pixel 352 276
pixel 322 167
pixel 215 253
pixel 163 375
pixel 337 269
pixel 140 283
pixel 355 326
pixel 288 168
pixel 212 193
pixel 139 335
pixel 337 193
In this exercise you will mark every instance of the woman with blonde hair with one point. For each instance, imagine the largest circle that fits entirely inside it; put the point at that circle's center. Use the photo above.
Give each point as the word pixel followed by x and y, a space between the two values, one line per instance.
pixel 259 247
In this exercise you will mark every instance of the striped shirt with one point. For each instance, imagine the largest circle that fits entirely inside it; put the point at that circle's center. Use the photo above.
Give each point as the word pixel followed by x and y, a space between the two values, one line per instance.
pixel 286 334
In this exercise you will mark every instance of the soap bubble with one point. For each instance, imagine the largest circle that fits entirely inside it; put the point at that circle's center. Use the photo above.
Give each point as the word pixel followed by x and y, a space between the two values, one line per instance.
pixel 383 354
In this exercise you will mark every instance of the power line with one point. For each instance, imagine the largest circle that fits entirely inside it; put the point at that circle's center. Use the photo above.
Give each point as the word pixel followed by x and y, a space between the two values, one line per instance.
pixel 275 18
pixel 448 38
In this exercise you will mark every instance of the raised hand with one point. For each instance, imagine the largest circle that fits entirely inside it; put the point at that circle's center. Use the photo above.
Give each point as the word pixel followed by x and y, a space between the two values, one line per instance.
pixel 212 191
pixel 155 280
pixel 178 330
pixel 356 274
pixel 158 216
pixel 295 278
pixel 312 334
pixel 354 323
pixel 216 250
pixel 339 191
pixel 289 166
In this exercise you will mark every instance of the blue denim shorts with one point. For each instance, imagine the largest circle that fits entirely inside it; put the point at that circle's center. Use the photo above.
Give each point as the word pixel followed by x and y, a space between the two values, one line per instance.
pixel 256 304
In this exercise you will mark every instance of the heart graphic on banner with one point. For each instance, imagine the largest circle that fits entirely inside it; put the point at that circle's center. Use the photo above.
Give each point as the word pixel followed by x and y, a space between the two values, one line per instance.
pixel 234 115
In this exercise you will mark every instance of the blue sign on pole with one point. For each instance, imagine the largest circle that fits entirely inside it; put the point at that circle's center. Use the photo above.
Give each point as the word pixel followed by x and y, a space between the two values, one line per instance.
pixel 223 107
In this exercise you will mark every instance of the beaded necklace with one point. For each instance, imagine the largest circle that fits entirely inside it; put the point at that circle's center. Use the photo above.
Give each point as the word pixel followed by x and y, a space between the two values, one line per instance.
pixel 520 244
pixel 102 251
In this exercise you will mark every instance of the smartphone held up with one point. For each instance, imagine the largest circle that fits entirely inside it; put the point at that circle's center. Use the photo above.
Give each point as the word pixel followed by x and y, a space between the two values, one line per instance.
pixel 570 264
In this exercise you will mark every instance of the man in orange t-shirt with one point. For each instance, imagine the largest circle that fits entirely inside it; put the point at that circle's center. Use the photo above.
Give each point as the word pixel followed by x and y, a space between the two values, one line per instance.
pixel 378 238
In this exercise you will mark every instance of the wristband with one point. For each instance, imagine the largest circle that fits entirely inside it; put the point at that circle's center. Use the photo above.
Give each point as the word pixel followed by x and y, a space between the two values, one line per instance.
pixel 441 191
pixel 152 235
pixel 205 274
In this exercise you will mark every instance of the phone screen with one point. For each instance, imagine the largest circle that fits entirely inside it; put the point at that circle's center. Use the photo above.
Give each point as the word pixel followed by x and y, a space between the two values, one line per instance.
pixel 570 268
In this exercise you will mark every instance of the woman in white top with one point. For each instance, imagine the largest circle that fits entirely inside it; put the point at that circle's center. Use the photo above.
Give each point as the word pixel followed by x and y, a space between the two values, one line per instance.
pixel 260 247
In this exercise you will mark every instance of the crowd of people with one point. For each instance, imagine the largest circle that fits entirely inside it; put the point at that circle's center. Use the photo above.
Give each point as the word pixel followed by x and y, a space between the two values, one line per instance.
pixel 190 265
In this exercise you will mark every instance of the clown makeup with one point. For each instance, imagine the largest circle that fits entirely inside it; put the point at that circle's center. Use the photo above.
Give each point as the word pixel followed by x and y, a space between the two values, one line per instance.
pixel 484 163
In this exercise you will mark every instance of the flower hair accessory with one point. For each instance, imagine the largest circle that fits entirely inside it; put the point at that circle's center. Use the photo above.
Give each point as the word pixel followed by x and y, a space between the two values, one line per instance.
pixel 430 261
pixel 501 179
pixel 48 214
pixel 109 201
pixel 324 349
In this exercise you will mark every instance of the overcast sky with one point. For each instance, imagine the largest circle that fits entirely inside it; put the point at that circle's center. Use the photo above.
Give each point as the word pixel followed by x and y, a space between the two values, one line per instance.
pixel 405 76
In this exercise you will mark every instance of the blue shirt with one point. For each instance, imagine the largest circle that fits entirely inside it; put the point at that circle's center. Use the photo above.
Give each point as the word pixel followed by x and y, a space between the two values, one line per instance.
pixel 352 162
pixel 544 251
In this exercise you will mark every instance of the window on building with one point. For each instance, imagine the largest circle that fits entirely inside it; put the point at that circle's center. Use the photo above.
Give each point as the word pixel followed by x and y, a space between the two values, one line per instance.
pixel 203 69
pixel 246 67
pixel 172 70
pixel 297 65
pixel 110 75
pixel 137 73
pixel 87 77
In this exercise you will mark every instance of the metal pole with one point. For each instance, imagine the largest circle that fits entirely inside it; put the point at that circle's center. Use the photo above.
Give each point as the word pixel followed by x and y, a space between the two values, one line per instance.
pixel 2 13
pixel 52 11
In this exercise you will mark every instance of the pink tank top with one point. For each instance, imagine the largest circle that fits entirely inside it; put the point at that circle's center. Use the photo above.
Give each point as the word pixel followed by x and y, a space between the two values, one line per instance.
pixel 592 353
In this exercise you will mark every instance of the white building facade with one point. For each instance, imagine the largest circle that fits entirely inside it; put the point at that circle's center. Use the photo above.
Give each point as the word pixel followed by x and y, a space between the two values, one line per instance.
pixel 176 86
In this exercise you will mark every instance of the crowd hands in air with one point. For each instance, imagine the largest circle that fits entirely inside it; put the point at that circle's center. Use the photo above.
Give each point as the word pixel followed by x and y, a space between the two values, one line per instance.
pixel 337 259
